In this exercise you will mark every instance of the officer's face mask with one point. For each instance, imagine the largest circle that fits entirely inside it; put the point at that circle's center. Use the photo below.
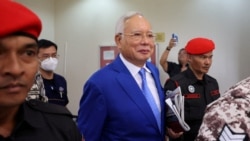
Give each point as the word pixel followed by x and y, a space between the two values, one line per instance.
pixel 49 64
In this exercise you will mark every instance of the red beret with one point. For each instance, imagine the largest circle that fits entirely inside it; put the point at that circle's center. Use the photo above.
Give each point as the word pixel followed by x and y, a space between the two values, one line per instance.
pixel 16 18
pixel 199 46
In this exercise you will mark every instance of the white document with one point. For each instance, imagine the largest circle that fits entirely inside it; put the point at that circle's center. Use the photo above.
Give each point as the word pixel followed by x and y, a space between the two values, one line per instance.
pixel 175 101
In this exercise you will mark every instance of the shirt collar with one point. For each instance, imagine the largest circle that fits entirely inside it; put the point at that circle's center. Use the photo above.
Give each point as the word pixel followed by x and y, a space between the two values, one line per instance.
pixel 133 69
pixel 193 78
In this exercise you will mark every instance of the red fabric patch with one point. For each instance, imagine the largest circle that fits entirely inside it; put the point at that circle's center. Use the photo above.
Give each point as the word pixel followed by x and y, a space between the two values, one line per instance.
pixel 192 96
pixel 214 92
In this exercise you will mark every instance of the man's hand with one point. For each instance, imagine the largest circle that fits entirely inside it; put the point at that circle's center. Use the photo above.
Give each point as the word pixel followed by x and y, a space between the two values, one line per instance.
pixel 171 43
pixel 173 134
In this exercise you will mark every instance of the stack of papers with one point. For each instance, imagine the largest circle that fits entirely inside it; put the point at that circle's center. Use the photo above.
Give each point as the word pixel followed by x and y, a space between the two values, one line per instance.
pixel 175 112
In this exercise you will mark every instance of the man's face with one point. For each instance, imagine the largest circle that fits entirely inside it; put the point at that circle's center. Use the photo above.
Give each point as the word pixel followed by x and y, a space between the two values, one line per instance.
pixel 18 66
pixel 45 53
pixel 137 42
pixel 200 64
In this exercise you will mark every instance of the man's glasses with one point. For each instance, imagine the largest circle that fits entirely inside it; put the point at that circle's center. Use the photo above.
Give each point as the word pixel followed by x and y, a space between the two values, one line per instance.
pixel 138 36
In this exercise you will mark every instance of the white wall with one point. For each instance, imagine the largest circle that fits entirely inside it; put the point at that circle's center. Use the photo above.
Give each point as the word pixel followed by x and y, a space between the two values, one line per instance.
pixel 46 11
pixel 80 26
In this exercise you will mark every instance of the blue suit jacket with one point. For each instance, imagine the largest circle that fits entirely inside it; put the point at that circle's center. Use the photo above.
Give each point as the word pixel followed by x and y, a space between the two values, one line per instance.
pixel 113 107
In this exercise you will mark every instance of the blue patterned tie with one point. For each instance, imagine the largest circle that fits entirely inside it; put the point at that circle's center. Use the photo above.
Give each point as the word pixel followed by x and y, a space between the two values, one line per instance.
pixel 148 95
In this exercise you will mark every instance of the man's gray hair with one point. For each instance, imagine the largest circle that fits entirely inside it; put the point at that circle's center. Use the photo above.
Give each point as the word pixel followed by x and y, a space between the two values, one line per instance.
pixel 120 23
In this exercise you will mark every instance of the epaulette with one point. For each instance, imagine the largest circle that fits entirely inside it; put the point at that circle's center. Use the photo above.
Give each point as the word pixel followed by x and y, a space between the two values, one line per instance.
pixel 48 108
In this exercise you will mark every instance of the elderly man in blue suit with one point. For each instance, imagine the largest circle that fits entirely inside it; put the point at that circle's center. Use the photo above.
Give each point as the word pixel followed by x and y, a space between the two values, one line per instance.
pixel 115 105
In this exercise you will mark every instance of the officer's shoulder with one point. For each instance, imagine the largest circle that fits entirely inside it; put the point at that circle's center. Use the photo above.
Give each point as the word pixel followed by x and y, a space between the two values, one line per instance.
pixel 178 76
pixel 210 78
pixel 48 108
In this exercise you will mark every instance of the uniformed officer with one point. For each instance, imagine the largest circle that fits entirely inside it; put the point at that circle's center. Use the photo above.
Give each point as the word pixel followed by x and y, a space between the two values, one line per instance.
pixel 198 88
pixel 228 118
pixel 22 120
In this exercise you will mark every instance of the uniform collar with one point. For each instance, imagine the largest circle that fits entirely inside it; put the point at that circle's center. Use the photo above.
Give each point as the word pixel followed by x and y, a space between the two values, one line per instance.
pixel 131 67
pixel 189 73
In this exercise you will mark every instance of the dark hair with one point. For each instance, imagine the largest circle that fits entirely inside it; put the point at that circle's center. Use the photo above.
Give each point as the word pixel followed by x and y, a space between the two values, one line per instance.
pixel 43 43
pixel 181 50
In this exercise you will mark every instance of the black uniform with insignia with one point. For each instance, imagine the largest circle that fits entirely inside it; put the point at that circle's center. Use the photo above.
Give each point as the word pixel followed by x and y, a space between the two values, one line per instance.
pixel 198 94
pixel 39 121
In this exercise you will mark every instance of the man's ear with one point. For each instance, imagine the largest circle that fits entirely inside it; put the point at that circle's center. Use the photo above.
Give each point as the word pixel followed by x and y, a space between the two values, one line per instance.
pixel 118 38
pixel 189 57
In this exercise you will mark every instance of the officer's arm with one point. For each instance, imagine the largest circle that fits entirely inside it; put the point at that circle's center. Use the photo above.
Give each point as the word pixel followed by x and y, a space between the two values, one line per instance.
pixel 170 85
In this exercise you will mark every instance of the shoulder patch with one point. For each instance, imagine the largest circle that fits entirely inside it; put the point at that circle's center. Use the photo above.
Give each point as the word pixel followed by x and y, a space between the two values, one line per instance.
pixel 228 135
pixel 48 108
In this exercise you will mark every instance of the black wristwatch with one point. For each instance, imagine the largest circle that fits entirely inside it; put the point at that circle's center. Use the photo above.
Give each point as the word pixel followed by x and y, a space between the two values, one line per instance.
pixel 168 49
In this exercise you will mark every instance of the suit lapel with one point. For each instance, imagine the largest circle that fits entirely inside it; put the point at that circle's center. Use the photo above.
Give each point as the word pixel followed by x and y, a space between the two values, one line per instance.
pixel 127 82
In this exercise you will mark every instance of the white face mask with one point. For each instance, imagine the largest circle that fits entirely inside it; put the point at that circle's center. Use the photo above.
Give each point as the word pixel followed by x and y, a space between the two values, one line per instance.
pixel 49 64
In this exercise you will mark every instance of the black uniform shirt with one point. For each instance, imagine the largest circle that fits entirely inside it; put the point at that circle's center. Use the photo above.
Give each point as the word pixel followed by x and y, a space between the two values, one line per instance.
pixel 38 121
pixel 56 90
pixel 197 93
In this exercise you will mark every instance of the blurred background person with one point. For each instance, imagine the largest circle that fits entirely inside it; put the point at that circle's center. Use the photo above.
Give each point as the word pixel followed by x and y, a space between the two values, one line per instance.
pixel 173 68
pixel 55 85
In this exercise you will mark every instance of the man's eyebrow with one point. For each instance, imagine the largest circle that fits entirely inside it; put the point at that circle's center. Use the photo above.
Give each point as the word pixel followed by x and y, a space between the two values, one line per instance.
pixel 28 45
pixel 31 45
